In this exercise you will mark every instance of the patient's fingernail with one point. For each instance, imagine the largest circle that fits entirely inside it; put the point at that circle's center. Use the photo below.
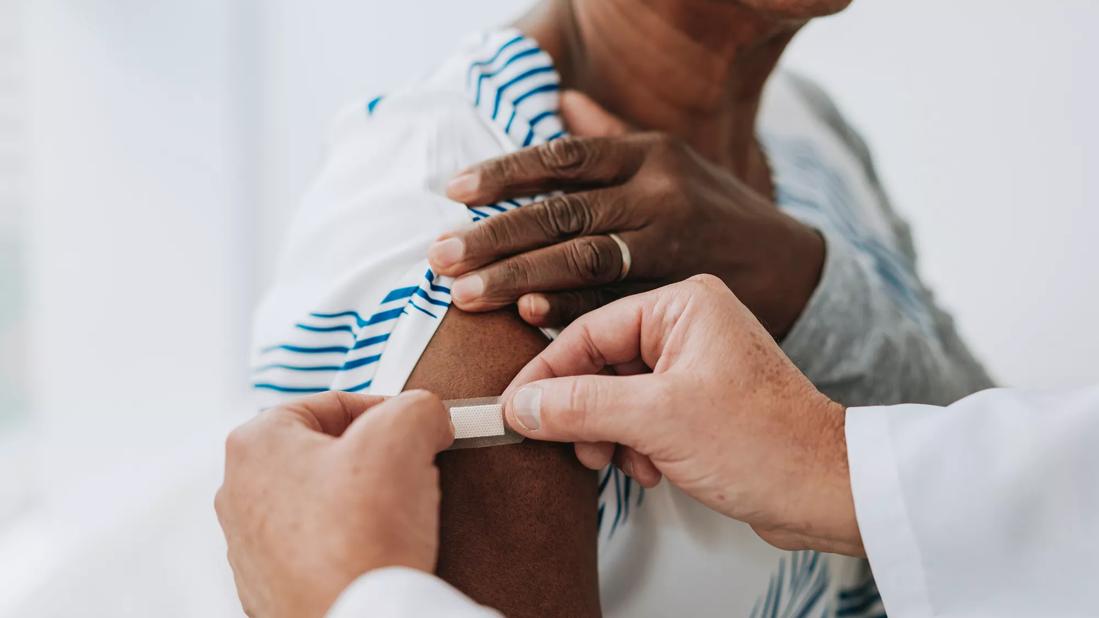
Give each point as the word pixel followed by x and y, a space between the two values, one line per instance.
pixel 463 187
pixel 527 404
pixel 446 253
pixel 537 305
pixel 467 288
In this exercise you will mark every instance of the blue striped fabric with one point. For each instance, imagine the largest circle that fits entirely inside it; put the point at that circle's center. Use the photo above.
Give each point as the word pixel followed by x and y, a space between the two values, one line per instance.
pixel 797 588
pixel 338 347
pixel 861 600
pixel 348 360
pixel 805 185
pixel 372 104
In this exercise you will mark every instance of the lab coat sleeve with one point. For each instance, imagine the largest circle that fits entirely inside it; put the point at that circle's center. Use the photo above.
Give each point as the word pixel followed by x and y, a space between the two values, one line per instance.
pixel 987 507
pixel 399 591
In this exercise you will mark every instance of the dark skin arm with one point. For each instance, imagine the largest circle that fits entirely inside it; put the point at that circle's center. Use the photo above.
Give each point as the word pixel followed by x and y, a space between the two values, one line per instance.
pixel 518 522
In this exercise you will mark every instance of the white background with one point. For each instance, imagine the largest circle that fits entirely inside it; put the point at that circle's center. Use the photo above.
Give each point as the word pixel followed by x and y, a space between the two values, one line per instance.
pixel 170 141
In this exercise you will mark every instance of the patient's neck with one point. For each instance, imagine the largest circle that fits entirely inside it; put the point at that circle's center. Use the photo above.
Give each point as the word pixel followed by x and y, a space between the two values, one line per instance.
pixel 693 69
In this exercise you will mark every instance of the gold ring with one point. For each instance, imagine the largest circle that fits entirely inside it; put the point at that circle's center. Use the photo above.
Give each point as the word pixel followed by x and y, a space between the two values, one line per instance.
pixel 625 250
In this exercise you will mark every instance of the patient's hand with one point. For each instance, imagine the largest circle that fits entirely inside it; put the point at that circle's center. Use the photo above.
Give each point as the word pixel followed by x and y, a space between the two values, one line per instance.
pixel 678 213
pixel 322 490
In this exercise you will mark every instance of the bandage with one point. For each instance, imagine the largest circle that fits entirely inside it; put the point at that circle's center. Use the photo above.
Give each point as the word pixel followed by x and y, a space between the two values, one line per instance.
pixel 479 423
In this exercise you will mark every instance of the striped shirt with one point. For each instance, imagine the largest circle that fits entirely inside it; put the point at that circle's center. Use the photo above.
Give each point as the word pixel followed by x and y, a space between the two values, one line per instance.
pixel 355 304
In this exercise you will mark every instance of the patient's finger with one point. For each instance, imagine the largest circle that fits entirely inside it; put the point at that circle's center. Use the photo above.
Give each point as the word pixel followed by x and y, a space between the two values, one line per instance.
pixel 605 337
pixel 558 309
pixel 637 466
pixel 579 263
pixel 564 164
pixel 543 223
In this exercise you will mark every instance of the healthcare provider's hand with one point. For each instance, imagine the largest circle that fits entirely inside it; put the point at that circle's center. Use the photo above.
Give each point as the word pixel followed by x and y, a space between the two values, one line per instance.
pixel 677 213
pixel 322 490
pixel 704 397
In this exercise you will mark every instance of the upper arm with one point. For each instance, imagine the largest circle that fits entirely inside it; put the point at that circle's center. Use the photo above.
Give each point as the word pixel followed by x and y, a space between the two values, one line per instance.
pixel 518 522
pixel 355 307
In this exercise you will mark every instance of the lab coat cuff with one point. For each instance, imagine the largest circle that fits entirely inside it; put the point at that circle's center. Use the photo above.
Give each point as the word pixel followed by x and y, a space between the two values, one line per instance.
pixel 882 512
pixel 401 591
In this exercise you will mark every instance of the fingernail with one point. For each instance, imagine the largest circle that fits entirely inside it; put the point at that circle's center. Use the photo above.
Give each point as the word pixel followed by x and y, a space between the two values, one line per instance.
pixel 627 469
pixel 527 404
pixel 537 305
pixel 467 288
pixel 446 253
pixel 463 186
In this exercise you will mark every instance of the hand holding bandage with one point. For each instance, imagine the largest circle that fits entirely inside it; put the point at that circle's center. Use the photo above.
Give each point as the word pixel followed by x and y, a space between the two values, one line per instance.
pixel 324 489
pixel 704 397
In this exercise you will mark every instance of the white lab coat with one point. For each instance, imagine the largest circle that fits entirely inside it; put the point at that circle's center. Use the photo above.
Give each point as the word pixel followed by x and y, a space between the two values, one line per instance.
pixel 987 507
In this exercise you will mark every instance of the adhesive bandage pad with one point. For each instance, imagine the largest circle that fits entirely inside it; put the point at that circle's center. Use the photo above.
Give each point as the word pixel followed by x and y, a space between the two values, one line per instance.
pixel 479 423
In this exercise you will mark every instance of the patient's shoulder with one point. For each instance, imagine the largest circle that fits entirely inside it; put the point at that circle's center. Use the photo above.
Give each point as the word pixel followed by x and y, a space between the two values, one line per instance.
pixel 419 134
pixel 353 277
pixel 496 92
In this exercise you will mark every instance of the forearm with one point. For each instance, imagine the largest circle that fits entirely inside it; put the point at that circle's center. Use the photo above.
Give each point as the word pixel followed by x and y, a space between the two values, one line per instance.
pixel 864 340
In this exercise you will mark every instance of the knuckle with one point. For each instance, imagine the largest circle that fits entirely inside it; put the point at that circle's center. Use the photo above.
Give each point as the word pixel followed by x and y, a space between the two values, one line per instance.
pixel 589 259
pixel 515 272
pixel 666 400
pixel 422 398
pixel 500 170
pixel 491 233
pixel 425 405
pixel 707 283
pixel 512 274
pixel 564 216
pixel 665 186
pixel 566 155
pixel 669 144
pixel 581 398
pixel 219 502
pixel 237 443
pixel 327 399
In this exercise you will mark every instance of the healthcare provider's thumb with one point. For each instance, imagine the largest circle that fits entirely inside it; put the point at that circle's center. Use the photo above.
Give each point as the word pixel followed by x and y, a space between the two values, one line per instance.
pixel 701 394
